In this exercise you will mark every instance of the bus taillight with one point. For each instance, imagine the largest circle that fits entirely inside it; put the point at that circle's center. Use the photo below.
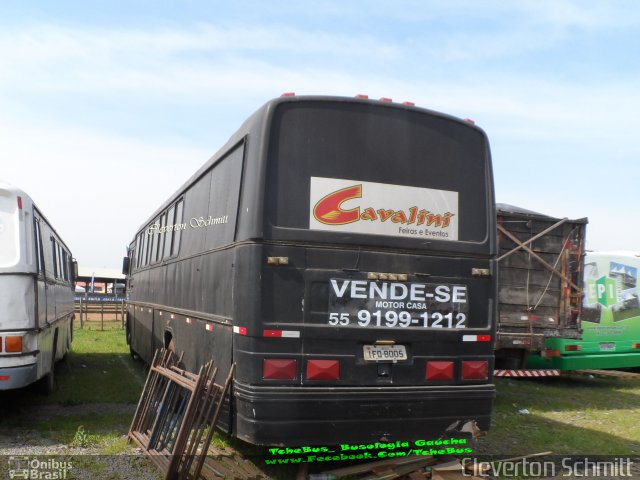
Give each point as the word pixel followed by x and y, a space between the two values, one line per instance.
pixel 279 369
pixel 475 370
pixel 573 348
pixel 635 345
pixel 323 370
pixel 439 370
pixel 13 344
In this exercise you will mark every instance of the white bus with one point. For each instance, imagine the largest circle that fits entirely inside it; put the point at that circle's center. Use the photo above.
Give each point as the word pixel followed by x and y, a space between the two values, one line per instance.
pixel 36 293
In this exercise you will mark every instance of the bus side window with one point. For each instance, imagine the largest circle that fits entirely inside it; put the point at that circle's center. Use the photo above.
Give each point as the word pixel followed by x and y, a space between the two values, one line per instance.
pixel 145 244
pixel 153 244
pixel 139 251
pixel 161 237
pixel 169 235
pixel 176 236
pixel 60 263
pixel 54 251
pixel 65 264
pixel 39 253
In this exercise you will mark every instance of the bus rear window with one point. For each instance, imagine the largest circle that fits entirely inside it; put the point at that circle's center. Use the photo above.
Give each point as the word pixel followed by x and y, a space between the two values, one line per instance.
pixel 370 169
pixel 9 246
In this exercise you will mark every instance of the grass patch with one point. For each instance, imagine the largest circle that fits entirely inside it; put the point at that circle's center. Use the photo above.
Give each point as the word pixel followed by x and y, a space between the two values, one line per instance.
pixel 571 415
pixel 98 386
pixel 98 369
pixel 103 431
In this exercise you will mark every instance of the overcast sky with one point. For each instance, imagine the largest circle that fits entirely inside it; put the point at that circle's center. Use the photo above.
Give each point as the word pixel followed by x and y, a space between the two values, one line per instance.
pixel 107 107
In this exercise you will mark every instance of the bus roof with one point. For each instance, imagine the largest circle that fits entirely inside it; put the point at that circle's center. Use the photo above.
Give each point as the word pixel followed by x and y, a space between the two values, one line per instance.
pixel 26 199
pixel 258 119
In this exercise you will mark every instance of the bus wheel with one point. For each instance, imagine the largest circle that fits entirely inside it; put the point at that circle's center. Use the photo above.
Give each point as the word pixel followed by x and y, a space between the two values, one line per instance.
pixel 132 352
pixel 48 382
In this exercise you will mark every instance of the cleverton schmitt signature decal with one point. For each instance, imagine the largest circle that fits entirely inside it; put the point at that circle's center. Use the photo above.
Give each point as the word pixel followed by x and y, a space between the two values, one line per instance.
pixel 195 222
pixel 382 209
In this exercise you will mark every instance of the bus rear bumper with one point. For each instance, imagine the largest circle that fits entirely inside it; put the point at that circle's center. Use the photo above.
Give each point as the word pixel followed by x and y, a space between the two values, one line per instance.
pixel 299 416
pixel 18 377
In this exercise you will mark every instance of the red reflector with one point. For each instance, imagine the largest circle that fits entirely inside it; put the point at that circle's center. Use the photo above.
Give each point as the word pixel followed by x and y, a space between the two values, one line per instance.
pixel 279 369
pixel 240 330
pixel 573 348
pixel 19 203
pixel 323 370
pixel 288 94
pixel 362 96
pixel 439 371
pixel 272 333
pixel 551 353
pixel 409 104
pixel 635 345
pixel 4 378
pixel 475 370
pixel 385 99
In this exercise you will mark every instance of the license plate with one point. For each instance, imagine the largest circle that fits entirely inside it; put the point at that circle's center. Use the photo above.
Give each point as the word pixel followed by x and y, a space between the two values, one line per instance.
pixel 384 353
pixel 607 347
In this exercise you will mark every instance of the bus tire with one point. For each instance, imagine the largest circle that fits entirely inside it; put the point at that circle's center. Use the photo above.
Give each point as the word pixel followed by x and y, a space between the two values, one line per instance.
pixel 48 384
pixel 132 352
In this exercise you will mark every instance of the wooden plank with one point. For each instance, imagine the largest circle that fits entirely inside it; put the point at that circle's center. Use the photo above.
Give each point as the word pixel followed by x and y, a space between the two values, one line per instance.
pixel 520 296
pixel 369 466
pixel 541 260
pixel 520 277
pixel 525 261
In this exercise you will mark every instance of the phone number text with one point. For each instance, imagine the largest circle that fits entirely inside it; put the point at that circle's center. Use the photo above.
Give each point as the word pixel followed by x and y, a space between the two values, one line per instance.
pixel 365 318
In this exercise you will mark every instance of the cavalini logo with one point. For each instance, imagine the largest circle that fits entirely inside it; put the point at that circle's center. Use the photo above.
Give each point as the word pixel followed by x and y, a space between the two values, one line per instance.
pixel 328 210
pixel 377 208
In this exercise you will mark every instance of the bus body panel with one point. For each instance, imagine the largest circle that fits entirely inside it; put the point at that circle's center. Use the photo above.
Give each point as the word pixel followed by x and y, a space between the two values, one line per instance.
pixel 17 302
pixel 36 293
pixel 327 416
pixel 242 277
pixel 610 318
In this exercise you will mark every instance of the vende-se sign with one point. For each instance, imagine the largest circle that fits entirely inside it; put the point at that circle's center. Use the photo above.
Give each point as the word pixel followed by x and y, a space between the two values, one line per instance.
pixel 382 209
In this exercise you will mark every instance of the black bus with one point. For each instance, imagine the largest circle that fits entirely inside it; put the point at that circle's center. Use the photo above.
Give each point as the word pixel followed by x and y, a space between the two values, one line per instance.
pixel 341 251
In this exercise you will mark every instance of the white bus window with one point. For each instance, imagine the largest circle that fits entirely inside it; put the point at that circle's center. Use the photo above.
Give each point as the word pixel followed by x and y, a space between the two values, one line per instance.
pixel 54 252
pixel 39 253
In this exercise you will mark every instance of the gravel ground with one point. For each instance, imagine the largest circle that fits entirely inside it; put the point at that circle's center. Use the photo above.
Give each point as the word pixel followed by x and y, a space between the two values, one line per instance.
pixel 23 447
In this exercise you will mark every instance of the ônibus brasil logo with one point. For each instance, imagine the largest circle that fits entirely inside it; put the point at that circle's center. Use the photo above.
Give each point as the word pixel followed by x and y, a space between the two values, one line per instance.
pixel 330 212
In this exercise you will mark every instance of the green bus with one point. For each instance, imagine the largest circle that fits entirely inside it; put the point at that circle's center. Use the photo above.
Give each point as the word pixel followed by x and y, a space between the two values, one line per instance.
pixel 610 318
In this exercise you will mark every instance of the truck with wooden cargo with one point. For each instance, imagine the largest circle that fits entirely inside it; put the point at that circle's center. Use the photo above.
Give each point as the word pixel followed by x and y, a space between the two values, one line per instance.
pixel 540 280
